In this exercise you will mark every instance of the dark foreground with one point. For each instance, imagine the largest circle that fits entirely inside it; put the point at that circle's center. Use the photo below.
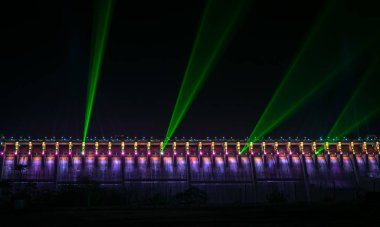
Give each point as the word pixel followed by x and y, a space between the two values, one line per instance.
pixel 324 214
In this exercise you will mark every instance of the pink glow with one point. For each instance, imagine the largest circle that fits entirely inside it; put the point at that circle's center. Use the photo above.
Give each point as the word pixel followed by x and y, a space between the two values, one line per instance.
pixel 56 153
pixel 290 152
pixel 135 153
pixel 29 153
pixel 96 153
pixel 109 153
pixel 43 153
pixel 70 153
pixel 201 153
pixel 251 152
pixel 2 153
pixel 278 153
pixel 213 153
pixel 226 153
pixel 187 153
pixel 175 153
pixel 15 153
pixel 122 153
pixel 148 152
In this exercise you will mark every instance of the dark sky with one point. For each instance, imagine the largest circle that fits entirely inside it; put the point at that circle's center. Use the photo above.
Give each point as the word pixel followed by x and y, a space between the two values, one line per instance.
pixel 45 57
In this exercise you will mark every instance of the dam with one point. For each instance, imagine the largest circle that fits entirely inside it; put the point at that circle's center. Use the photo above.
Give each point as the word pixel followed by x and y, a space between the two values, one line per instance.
pixel 292 169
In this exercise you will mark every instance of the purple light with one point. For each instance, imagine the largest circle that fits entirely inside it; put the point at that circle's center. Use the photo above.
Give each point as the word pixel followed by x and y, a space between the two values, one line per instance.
pixel 290 152
pixel 278 153
pixel 16 153
pixel 201 153
pixel 96 153
pixel 109 153
pixel 29 153
pixel 70 153
pixel 148 152
pixel 56 153
pixel 226 153
pixel 187 153
pixel 2 153
pixel 122 153
pixel 135 153
pixel 43 153
pixel 213 153
pixel 175 153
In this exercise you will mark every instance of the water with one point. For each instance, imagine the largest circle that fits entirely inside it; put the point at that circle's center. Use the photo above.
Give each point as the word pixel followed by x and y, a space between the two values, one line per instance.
pixel 8 168
pixel 361 166
pixel 373 167
pixel 323 172
pixel 296 169
pixel 219 176
pixel 312 171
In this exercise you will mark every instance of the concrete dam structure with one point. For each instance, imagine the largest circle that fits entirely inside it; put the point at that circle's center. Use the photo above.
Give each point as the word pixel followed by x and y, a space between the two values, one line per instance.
pixel 292 169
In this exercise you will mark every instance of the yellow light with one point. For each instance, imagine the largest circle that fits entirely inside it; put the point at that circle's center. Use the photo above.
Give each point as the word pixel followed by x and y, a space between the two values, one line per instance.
pixel 339 146
pixel 174 146
pixel 275 147
pixel 288 146
pixel 365 147
pixel 187 147
pixel 161 146
pixel 148 146
pixel 109 146
pixel 96 146
pixel 70 146
pixel 57 146
pixel 135 147
pixel 17 145
pixel 225 146
pixel 327 147
pixel 250 146
pixel 83 145
pixel 213 147
pixel 301 147
pixel 314 147
pixel 200 146
pixel 122 146
pixel 238 146
pixel 263 146
pixel 30 146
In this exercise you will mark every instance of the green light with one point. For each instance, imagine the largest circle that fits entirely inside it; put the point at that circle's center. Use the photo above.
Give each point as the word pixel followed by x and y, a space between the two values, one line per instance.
pixel 362 102
pixel 281 105
pixel 216 27
pixel 316 65
pixel 102 14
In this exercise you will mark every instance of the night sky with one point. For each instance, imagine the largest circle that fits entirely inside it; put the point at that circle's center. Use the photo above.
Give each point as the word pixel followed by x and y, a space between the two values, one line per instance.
pixel 45 56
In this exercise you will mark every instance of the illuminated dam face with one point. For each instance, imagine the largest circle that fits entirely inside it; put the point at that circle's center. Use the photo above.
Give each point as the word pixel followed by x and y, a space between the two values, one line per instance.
pixel 290 168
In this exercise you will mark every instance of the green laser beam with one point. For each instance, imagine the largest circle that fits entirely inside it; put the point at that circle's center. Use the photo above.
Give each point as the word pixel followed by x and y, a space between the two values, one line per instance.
pixel 352 126
pixel 344 125
pixel 272 116
pixel 268 122
pixel 315 65
pixel 102 18
pixel 216 28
